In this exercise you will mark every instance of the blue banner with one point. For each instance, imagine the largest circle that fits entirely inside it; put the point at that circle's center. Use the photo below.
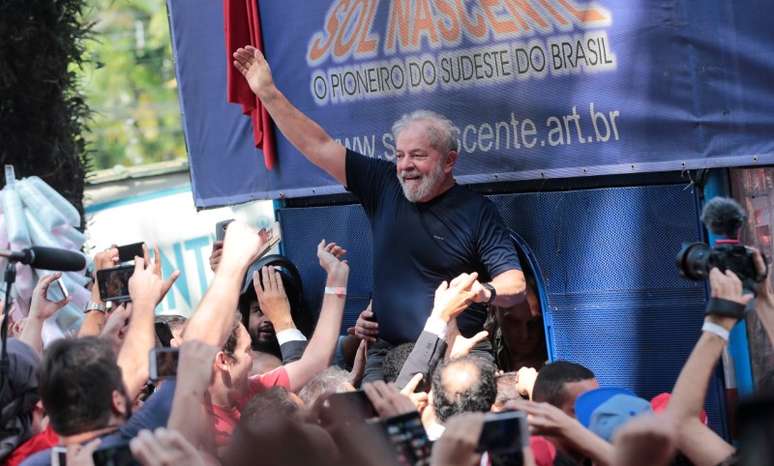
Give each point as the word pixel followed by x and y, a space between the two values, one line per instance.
pixel 538 88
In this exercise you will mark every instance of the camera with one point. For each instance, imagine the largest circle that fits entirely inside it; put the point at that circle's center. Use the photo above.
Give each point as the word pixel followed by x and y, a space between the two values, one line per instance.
pixel 724 217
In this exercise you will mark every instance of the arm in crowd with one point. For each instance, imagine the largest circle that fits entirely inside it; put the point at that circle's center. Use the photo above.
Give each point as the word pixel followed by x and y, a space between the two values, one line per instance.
pixel 40 310
pixel 95 320
pixel 450 300
pixel 275 306
pixel 546 419
pixel 147 289
pixel 211 323
pixel 696 441
pixel 510 286
pixel 322 345
pixel 306 135
pixel 190 415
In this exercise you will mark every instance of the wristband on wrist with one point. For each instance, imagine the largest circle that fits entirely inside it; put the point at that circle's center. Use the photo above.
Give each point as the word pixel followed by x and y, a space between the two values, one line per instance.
pixel 711 327
pixel 339 291
pixel 92 306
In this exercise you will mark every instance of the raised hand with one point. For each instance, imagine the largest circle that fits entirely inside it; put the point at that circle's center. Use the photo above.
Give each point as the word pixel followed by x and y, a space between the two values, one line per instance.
pixel 387 400
pixel 272 298
pixel 459 346
pixel 40 307
pixel 253 66
pixel 330 255
pixel 454 297
pixel 243 244
pixel 726 286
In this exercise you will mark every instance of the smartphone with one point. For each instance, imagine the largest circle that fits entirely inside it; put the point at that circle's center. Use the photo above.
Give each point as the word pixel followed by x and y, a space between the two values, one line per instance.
pixel 504 432
pixel 119 455
pixel 59 456
pixel 220 229
pixel 114 283
pixel 408 438
pixel 356 402
pixel 128 252
pixel 163 363
pixel 163 333
pixel 57 290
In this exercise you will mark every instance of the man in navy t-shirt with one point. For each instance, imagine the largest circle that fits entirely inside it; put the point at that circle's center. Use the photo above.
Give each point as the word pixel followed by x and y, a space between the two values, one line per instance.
pixel 426 228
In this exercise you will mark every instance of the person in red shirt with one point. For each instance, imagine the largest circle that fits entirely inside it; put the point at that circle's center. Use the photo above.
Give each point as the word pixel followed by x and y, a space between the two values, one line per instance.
pixel 232 386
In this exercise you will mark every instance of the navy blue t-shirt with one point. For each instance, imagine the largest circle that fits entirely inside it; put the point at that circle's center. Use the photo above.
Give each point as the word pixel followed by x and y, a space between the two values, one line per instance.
pixel 416 246
pixel 154 413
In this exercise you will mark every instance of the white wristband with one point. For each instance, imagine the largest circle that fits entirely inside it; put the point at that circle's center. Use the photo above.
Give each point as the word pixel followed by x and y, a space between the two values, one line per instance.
pixel 716 329
pixel 339 291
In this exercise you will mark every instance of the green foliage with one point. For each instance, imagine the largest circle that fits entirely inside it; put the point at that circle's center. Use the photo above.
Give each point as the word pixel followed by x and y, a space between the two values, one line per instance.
pixel 130 85
pixel 42 114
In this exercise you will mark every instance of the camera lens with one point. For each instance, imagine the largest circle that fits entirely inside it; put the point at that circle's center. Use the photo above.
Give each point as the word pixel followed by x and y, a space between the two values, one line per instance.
pixel 692 261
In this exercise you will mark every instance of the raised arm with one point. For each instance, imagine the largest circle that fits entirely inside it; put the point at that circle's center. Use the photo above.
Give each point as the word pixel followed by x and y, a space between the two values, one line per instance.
pixel 95 318
pixel 214 317
pixel 147 289
pixel 308 137
pixel 40 310
pixel 322 345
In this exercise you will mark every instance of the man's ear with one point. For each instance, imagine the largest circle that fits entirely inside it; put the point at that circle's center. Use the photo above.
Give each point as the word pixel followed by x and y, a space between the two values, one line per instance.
pixel 221 361
pixel 451 160
pixel 119 403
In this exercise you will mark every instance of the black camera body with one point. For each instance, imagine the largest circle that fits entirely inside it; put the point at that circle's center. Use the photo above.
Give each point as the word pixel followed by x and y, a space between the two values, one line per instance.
pixel 695 260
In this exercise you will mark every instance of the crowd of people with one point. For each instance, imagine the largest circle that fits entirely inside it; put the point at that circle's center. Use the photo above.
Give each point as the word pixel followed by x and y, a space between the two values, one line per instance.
pixel 447 365
pixel 250 388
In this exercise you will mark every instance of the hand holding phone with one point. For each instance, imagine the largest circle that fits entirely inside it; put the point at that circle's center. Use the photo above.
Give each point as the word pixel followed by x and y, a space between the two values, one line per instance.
pixel 220 229
pixel 504 432
pixel 409 439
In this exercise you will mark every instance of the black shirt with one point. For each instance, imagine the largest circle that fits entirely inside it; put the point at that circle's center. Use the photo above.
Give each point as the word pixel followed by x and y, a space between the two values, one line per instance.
pixel 416 246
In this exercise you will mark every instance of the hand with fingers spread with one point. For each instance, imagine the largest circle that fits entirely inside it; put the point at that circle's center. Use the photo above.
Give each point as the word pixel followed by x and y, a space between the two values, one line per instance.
pixel 365 328
pixel 387 400
pixel 330 255
pixel 457 445
pixel 272 298
pixel 164 447
pixel 459 346
pixel 454 297
pixel 215 255
pixel 81 455
pixel 253 66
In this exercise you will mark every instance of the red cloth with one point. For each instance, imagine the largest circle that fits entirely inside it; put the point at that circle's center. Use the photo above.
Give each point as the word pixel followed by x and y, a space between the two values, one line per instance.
pixel 39 442
pixel 242 24
pixel 660 402
pixel 226 419
pixel 543 450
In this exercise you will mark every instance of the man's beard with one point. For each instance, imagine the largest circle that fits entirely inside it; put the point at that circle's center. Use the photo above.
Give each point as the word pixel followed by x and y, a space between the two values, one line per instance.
pixel 427 183
pixel 265 345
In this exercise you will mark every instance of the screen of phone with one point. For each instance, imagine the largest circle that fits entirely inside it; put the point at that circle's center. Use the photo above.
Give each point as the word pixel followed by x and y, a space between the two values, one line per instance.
pixel 408 437
pixel 114 283
pixel 503 432
pixel 163 363
pixel 129 252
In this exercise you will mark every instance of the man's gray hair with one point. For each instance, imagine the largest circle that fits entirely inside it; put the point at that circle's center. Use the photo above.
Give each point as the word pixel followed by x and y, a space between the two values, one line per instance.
pixel 443 134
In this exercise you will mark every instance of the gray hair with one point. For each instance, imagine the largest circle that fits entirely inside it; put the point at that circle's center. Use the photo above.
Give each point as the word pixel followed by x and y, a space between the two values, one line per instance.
pixel 442 132
pixel 331 380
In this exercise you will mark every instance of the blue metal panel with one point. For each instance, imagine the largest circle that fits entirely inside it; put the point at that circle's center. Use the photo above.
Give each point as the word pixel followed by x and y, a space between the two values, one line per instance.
pixel 613 298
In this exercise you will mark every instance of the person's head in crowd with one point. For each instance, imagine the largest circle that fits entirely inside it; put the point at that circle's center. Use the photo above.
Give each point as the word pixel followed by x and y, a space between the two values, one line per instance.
pixel 394 360
pixel 233 363
pixel 176 326
pixel 507 390
pixel 75 404
pixel 426 152
pixel 261 330
pixel 21 408
pixel 561 382
pixel 279 440
pixel 614 413
pixel 517 331
pixel 274 402
pixel 331 380
pixel 463 385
